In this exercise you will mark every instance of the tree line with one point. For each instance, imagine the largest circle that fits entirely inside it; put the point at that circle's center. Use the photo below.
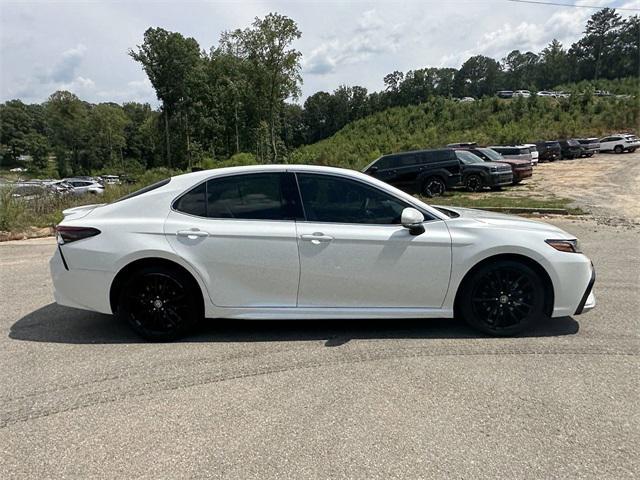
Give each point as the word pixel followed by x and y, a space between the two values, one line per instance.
pixel 239 97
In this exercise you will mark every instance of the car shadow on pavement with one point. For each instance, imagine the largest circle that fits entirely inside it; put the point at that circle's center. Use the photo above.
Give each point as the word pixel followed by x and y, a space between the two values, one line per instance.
pixel 56 324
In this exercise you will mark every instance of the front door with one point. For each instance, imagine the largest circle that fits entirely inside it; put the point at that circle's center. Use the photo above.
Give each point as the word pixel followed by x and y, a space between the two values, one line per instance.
pixel 239 233
pixel 354 252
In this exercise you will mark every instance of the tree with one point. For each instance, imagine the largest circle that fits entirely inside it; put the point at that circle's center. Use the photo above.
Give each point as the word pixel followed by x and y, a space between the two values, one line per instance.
pixel 520 69
pixel 67 121
pixel 171 62
pixel 477 77
pixel 274 65
pixel 553 65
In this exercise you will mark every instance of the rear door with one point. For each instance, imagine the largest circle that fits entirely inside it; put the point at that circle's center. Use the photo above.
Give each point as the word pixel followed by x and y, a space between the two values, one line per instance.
pixel 239 233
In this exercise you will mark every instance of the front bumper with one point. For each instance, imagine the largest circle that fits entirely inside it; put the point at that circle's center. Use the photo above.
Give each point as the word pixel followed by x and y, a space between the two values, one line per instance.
pixel 496 179
pixel 588 300
pixel 522 173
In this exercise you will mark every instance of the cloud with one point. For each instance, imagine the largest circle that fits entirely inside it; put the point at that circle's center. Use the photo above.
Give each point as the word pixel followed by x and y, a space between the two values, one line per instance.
pixel 136 90
pixel 65 68
pixel 371 36
pixel 565 25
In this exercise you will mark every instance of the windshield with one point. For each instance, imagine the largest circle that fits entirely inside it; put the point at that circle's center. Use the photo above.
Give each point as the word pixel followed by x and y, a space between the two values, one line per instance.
pixel 492 155
pixel 467 157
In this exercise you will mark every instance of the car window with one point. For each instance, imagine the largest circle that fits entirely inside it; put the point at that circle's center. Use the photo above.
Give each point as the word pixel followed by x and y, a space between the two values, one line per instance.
pixel 384 162
pixel 260 196
pixel 334 199
pixel 467 157
pixel 193 202
pixel 407 160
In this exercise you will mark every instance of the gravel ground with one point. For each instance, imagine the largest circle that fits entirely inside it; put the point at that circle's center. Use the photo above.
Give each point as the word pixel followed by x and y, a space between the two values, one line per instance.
pixel 81 397
pixel 606 185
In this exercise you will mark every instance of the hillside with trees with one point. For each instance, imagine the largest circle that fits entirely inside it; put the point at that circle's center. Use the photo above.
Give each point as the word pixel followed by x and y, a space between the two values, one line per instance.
pixel 235 102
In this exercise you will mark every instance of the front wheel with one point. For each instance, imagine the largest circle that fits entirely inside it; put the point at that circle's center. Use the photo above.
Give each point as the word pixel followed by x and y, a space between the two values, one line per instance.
pixel 160 303
pixel 474 183
pixel 433 187
pixel 502 298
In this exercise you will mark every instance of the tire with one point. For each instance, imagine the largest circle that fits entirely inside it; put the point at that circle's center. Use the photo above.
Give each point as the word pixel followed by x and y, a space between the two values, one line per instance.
pixel 618 149
pixel 631 150
pixel 502 298
pixel 433 187
pixel 160 303
pixel 474 183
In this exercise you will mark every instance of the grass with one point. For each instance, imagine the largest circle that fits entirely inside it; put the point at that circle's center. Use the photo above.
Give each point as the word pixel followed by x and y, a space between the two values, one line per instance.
pixel 499 200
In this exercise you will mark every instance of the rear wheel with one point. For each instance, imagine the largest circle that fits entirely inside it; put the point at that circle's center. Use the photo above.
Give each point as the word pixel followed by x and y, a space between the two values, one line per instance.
pixel 160 303
pixel 474 183
pixel 618 149
pixel 502 298
pixel 433 187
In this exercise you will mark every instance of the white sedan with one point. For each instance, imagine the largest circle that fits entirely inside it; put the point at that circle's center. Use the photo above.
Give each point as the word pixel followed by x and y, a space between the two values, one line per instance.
pixel 302 242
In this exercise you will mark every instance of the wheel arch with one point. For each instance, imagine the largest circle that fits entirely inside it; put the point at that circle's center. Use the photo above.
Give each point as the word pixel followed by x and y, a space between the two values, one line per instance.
pixel 530 262
pixel 120 278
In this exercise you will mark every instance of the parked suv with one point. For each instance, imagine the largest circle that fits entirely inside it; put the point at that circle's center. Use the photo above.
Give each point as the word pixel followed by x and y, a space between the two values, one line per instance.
pixel 570 148
pixel 548 151
pixel 619 143
pixel 521 168
pixel 430 172
pixel 534 152
pixel 478 173
pixel 516 152
pixel 590 146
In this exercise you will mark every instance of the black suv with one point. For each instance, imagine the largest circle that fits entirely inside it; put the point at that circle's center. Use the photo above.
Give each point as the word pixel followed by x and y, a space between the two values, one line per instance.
pixel 477 174
pixel 430 172
pixel 570 148
pixel 548 151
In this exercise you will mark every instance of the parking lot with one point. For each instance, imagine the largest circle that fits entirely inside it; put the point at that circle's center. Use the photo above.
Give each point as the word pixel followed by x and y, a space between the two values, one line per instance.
pixel 81 397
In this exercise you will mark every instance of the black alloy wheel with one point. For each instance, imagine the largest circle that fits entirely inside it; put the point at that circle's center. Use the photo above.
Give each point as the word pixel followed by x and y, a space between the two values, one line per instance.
pixel 474 183
pixel 159 303
pixel 433 187
pixel 502 298
pixel 618 149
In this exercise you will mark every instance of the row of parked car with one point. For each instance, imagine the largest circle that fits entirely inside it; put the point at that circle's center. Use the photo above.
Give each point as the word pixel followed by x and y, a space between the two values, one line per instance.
pixel 67 186
pixel 431 172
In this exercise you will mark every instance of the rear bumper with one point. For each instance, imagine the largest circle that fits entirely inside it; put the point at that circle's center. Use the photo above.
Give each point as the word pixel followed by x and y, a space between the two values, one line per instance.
pixel 77 288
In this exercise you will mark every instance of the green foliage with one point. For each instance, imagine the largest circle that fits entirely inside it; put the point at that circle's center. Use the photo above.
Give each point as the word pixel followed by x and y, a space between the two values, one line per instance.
pixel 490 121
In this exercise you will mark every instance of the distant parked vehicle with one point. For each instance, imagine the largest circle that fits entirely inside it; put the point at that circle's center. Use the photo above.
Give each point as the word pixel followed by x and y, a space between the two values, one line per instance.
pixel 110 179
pixel 521 168
pixel 82 186
pixel 548 151
pixel 516 152
pixel 546 93
pixel 467 99
pixel 28 190
pixel 590 146
pixel 570 149
pixel 602 93
pixel 505 94
pixel 620 142
pixel 478 173
pixel 534 152
pixel 522 93
pixel 430 172
pixel 18 170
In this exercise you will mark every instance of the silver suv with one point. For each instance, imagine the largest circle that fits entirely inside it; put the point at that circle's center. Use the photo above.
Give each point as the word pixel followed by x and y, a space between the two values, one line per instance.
pixel 515 152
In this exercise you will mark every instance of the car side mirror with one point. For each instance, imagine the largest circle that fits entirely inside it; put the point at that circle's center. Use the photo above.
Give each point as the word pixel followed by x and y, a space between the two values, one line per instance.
pixel 412 219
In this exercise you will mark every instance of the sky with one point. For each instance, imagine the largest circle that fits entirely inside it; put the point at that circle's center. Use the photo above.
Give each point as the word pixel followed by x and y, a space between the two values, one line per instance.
pixel 82 45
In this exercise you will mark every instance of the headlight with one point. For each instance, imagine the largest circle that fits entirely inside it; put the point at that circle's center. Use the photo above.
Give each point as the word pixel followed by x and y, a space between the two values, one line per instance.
pixel 571 246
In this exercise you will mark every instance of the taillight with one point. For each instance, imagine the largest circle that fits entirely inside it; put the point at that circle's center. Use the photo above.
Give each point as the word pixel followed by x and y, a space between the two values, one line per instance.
pixel 65 234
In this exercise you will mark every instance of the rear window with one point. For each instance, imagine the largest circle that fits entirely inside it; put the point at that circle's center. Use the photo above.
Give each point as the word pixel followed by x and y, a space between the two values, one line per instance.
pixel 146 189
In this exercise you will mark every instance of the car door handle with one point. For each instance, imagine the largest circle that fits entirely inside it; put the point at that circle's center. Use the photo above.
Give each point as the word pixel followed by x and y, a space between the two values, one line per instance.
pixel 192 233
pixel 316 238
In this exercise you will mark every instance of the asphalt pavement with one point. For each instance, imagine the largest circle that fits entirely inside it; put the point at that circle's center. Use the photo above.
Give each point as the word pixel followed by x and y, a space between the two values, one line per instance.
pixel 82 397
